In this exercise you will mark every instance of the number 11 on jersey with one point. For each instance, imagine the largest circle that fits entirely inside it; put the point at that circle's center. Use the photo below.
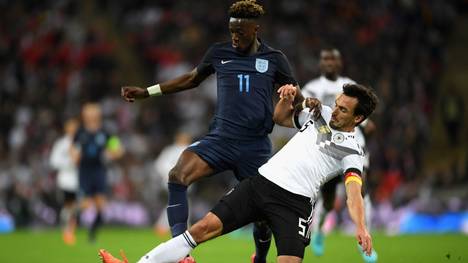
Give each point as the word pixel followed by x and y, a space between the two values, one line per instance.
pixel 241 78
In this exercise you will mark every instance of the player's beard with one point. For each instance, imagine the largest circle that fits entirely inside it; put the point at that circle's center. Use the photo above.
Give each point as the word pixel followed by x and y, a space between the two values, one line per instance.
pixel 333 125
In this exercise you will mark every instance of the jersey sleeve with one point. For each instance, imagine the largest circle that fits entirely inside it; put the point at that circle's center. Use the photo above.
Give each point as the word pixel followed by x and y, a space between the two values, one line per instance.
pixel 284 73
pixel 352 163
pixel 206 65
pixel 301 118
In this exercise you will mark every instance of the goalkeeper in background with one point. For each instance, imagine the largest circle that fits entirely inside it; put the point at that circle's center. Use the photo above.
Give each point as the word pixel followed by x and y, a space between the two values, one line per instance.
pixel 92 147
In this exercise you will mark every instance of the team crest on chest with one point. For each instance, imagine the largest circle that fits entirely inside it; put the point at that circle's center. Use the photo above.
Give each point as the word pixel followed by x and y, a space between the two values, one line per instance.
pixel 261 65
pixel 338 138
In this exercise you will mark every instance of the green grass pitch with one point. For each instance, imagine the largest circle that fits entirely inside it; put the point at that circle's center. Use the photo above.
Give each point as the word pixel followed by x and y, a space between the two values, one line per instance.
pixel 28 246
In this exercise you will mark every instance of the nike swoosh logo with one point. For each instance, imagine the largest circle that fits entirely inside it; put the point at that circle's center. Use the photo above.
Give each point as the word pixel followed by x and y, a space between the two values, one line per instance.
pixel 173 205
pixel 225 61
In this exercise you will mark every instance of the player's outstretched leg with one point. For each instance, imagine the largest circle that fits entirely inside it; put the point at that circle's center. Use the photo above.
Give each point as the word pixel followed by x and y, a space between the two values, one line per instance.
pixel 368 208
pixel 262 237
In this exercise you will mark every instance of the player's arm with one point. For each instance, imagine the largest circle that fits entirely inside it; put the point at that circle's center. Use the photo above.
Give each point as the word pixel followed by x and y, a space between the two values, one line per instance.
pixel 186 81
pixel 284 109
pixel 355 203
pixel 287 115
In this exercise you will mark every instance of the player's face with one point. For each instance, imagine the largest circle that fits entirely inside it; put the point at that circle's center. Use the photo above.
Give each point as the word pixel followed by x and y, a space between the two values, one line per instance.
pixel 343 118
pixel 92 117
pixel 330 63
pixel 243 33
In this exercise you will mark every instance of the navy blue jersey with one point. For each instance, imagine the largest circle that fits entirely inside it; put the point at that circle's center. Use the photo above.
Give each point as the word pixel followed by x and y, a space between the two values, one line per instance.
pixel 92 147
pixel 246 84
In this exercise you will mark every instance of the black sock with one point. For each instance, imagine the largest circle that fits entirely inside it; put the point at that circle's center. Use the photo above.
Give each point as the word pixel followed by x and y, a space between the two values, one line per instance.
pixel 94 227
pixel 262 238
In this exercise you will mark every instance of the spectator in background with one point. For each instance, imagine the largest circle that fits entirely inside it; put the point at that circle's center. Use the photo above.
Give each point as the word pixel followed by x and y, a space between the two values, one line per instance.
pixel 67 179
pixel 452 115
pixel 92 146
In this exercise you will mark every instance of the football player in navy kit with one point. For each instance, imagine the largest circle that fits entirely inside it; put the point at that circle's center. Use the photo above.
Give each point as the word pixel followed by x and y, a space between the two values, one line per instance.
pixel 91 147
pixel 247 72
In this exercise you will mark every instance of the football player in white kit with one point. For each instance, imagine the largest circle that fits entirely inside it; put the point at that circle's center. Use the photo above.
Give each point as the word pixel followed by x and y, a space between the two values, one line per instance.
pixel 326 88
pixel 67 179
pixel 286 190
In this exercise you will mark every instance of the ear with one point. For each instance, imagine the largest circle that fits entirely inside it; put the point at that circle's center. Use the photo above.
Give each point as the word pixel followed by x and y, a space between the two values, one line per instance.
pixel 358 119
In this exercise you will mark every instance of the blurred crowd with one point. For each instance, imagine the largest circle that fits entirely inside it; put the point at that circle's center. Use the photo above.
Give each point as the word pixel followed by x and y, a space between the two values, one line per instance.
pixel 54 57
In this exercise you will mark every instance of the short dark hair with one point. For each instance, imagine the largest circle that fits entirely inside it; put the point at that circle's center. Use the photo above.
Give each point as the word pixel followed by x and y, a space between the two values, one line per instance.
pixel 331 49
pixel 367 99
pixel 246 9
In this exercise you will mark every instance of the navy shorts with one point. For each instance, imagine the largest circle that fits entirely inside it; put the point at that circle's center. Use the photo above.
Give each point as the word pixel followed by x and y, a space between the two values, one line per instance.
pixel 243 157
pixel 92 181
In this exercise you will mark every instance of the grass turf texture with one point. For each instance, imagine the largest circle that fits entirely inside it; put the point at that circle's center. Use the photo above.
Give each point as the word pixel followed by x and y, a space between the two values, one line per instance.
pixel 26 246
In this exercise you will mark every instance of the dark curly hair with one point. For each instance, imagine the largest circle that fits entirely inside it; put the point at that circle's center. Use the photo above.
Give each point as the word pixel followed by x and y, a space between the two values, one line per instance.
pixel 367 99
pixel 246 9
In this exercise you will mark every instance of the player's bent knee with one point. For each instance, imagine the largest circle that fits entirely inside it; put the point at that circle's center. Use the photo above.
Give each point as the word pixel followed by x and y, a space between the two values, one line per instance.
pixel 176 176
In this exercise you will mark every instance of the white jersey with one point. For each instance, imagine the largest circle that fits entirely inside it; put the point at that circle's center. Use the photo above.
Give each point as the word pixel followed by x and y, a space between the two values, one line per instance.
pixel 60 159
pixel 327 91
pixel 313 156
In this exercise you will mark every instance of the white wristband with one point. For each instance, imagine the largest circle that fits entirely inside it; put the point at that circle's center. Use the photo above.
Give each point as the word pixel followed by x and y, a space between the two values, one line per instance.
pixel 304 104
pixel 154 90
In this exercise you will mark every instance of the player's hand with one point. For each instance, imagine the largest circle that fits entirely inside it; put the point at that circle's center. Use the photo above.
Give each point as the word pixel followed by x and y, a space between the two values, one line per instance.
pixel 131 93
pixel 287 91
pixel 364 240
pixel 314 105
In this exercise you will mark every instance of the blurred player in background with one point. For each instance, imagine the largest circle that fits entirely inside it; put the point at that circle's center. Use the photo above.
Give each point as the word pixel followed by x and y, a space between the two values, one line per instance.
pixel 288 185
pixel 326 88
pixel 247 71
pixel 67 179
pixel 92 148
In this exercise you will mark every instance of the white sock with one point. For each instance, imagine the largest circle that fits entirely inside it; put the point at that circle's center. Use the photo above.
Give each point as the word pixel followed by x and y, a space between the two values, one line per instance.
pixel 170 251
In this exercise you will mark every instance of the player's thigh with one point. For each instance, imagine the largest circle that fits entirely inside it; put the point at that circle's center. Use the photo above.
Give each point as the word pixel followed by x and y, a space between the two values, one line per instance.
pixel 253 155
pixel 239 207
pixel 289 216
pixel 218 152
pixel 189 168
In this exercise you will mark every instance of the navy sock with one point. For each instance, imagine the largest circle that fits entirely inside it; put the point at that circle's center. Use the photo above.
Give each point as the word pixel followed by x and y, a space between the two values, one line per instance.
pixel 94 227
pixel 262 238
pixel 177 208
